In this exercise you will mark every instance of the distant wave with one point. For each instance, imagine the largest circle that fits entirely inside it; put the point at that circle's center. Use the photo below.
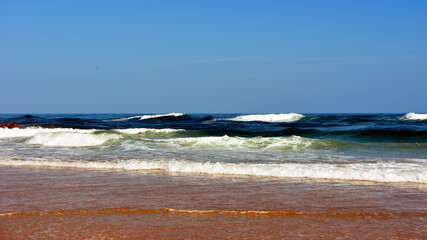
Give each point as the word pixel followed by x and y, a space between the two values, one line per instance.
pixel 376 172
pixel 414 116
pixel 145 117
pixel 132 131
pixel 283 117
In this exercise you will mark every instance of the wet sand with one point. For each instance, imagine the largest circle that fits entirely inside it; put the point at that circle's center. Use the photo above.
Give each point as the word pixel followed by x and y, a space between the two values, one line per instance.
pixel 54 203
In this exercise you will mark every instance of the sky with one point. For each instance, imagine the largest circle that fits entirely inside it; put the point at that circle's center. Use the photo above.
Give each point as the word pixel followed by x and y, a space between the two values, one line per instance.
pixel 214 56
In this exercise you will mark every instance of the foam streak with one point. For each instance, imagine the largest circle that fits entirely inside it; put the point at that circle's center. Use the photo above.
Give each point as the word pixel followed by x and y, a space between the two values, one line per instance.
pixel 375 172
pixel 119 210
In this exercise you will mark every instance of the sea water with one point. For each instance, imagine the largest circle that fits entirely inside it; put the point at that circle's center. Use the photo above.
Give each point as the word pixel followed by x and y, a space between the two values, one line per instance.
pixel 375 147
pixel 282 166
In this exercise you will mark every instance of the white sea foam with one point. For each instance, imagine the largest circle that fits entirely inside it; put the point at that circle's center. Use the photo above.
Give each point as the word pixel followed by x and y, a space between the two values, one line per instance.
pixel 283 117
pixel 72 139
pixel 377 172
pixel 133 131
pixel 234 143
pixel 68 137
pixel 144 117
pixel 28 132
pixel 63 137
pixel 415 116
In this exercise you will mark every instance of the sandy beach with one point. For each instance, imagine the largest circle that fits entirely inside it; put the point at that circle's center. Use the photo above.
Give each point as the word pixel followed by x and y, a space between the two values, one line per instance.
pixel 55 203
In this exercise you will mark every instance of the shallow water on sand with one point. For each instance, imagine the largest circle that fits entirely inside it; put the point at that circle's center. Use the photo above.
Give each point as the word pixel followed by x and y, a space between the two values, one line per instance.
pixel 52 203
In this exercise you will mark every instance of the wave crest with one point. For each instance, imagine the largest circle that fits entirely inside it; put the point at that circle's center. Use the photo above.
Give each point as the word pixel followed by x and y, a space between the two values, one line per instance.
pixel 69 139
pixel 415 116
pixel 282 117
pixel 145 117
pixel 31 131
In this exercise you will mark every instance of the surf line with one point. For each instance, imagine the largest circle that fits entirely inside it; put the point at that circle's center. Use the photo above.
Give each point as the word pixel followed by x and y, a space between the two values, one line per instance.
pixel 118 210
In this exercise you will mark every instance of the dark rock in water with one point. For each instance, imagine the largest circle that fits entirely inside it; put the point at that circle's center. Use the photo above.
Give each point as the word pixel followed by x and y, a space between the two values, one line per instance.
pixel 12 125
pixel 1 125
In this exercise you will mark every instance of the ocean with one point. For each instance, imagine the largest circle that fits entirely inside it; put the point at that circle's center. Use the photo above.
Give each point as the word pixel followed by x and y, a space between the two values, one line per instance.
pixel 178 175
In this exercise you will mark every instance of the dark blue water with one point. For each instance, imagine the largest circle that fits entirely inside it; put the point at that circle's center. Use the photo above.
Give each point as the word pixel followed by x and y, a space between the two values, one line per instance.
pixel 350 127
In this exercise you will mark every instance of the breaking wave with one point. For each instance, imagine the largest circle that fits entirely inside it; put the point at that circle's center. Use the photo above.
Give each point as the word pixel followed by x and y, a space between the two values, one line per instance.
pixel 72 139
pixel 414 116
pixel 67 137
pixel 283 117
pixel 32 131
pixel 376 172
pixel 168 138
pixel 145 117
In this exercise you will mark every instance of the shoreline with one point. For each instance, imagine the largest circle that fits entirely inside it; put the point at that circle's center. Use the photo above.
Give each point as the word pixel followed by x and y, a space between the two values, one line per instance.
pixel 222 175
pixel 84 203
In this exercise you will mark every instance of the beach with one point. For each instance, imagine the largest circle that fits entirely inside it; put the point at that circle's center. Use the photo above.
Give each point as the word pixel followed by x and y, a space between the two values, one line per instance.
pixel 57 203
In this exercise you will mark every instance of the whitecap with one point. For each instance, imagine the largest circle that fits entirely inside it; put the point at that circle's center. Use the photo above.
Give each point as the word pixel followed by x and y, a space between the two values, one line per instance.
pixel 31 131
pixel 145 117
pixel 72 139
pixel 133 131
pixel 414 116
pixel 283 117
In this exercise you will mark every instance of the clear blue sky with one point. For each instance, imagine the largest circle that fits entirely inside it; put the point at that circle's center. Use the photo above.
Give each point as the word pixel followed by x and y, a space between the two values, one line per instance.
pixel 213 56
